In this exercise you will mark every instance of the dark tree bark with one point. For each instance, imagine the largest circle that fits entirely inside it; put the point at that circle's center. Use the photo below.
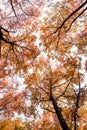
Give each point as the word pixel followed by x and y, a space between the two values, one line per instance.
pixel 71 14
pixel 77 102
pixel 58 112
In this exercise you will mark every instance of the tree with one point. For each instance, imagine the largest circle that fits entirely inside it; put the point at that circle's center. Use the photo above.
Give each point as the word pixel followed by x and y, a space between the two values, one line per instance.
pixel 49 76
pixel 16 30
pixel 16 46
pixel 11 99
pixel 46 122
pixel 52 69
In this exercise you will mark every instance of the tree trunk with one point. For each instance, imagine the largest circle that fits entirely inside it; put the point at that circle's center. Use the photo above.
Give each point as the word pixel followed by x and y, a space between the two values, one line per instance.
pixel 59 115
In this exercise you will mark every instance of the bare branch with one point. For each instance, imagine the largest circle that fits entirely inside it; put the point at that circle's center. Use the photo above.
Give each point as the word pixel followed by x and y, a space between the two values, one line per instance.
pixel 71 14
pixel 13 9
pixel 76 18
pixel 65 89
pixel 13 43
pixel 1 28
pixel 43 89
pixel 77 100
pixel 47 109
pixel 59 85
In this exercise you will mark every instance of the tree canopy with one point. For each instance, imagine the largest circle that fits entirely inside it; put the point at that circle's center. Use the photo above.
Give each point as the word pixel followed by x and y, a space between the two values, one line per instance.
pixel 43 64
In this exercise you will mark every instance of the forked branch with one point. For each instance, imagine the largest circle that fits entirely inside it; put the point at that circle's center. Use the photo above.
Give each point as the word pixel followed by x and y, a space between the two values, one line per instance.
pixel 72 14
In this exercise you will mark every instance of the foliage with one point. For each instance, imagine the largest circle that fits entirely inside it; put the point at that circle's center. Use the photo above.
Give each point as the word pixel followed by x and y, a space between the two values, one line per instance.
pixel 12 125
pixel 47 50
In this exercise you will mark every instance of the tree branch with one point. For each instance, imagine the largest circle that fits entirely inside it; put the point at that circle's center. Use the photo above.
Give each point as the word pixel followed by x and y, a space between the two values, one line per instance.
pixel 65 89
pixel 13 43
pixel 58 110
pixel 76 18
pixel 77 101
pixel 74 12
pixel 47 109
pixel 13 9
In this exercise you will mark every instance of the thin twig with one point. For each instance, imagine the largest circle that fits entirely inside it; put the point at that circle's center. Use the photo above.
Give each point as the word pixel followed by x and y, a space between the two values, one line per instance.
pixel 65 89
pixel 47 109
